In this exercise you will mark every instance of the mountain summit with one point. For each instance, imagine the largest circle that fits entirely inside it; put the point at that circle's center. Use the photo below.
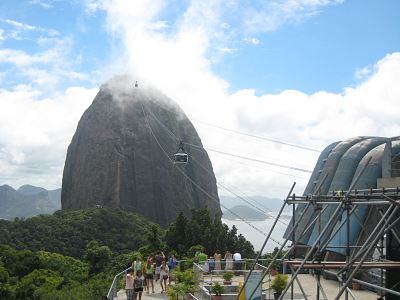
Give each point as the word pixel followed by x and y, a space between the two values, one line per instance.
pixel 122 156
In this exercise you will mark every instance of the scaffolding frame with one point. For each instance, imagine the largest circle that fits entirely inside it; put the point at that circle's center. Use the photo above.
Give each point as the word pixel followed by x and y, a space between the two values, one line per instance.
pixel 357 256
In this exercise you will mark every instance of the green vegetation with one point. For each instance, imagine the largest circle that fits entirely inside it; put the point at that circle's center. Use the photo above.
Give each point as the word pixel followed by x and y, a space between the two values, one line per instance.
pixel 210 233
pixel 279 283
pixel 228 275
pixel 68 232
pixel 75 254
pixel 42 275
pixel 217 289
pixel 277 265
pixel 186 283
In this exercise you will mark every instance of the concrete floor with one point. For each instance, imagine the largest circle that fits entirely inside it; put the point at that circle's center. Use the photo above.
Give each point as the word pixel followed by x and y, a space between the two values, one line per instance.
pixel 307 281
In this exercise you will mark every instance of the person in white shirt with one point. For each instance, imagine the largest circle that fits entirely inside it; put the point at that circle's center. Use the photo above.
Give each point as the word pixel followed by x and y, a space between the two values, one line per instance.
pixel 129 285
pixel 164 273
pixel 237 261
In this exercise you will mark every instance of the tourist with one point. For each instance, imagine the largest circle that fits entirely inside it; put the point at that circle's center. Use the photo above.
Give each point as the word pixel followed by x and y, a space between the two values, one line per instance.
pixel 137 265
pixel 217 257
pixel 171 266
pixel 149 275
pixel 138 285
pixel 211 264
pixel 202 261
pixel 129 285
pixel 159 259
pixel 228 261
pixel 237 262
pixel 164 272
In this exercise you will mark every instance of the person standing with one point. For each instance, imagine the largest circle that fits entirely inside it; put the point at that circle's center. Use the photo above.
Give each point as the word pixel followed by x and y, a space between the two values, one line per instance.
pixel 164 273
pixel 149 275
pixel 211 264
pixel 137 265
pixel 237 262
pixel 159 259
pixel 138 283
pixel 129 285
pixel 171 266
pixel 217 257
pixel 228 261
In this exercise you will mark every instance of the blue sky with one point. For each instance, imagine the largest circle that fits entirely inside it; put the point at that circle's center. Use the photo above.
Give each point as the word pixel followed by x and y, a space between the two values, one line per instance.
pixel 308 72
pixel 312 53
pixel 320 53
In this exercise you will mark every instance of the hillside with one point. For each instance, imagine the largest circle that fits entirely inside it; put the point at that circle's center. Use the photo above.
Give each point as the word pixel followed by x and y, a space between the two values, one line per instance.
pixel 68 232
pixel 245 212
pixel 265 203
pixel 27 201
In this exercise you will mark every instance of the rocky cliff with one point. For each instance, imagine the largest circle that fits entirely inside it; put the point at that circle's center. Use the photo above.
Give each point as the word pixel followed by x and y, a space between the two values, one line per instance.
pixel 120 156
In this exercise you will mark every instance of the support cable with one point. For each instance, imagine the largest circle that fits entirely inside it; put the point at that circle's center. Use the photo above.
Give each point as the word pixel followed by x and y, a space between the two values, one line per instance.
pixel 175 138
pixel 253 159
pixel 194 183
pixel 260 137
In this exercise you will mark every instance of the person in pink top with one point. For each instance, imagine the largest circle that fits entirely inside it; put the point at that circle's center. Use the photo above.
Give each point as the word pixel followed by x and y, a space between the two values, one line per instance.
pixel 129 285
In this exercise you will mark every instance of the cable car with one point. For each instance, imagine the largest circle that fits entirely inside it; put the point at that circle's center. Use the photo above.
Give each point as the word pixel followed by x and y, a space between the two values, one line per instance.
pixel 181 157
pixel 136 84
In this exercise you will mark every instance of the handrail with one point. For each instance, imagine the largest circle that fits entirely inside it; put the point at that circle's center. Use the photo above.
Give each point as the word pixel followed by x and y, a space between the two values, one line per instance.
pixel 112 292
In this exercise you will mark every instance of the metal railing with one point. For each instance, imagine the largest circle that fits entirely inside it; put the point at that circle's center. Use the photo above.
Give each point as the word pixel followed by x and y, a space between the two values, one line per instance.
pixel 112 292
pixel 244 263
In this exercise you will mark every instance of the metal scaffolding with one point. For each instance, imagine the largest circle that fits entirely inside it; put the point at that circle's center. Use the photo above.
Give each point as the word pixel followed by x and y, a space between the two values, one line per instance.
pixel 357 256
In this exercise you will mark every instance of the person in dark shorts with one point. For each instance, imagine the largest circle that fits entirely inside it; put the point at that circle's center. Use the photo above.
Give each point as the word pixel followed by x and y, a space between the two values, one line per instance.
pixel 164 272
pixel 158 259
pixel 138 283
pixel 149 275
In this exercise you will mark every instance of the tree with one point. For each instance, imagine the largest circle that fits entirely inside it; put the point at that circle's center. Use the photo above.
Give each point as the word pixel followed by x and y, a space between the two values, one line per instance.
pixel 38 283
pixel 5 288
pixel 97 256
pixel 201 229
pixel 175 237
pixel 154 239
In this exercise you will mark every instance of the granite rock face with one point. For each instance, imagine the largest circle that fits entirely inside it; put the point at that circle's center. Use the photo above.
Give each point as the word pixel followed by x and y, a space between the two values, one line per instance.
pixel 121 156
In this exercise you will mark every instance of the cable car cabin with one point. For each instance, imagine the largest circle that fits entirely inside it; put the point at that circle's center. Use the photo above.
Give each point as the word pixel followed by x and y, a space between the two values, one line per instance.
pixel 181 158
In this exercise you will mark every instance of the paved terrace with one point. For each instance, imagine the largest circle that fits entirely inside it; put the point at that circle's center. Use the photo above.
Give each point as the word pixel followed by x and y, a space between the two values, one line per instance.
pixel 308 283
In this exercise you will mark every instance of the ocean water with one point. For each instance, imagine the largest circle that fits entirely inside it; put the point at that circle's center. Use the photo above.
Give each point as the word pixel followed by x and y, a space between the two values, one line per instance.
pixel 257 238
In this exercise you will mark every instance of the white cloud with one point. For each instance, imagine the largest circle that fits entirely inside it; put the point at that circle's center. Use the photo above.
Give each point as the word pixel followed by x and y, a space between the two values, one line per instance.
pixel 17 30
pixel 22 59
pixel 363 72
pixel 252 41
pixel 227 50
pixel 35 133
pixel 179 62
pixel 269 15
pixel 44 3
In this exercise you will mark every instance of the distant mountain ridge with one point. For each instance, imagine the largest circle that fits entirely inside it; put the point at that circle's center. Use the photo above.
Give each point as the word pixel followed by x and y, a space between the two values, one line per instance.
pixel 245 212
pixel 264 203
pixel 28 201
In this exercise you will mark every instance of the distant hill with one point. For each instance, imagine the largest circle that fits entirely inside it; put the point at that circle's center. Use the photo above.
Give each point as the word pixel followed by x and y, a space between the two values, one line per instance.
pixel 68 232
pixel 29 190
pixel 245 212
pixel 28 201
pixel 264 203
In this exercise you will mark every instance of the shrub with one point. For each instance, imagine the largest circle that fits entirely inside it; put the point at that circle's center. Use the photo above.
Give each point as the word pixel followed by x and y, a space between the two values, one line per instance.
pixel 279 283
pixel 217 289
pixel 227 276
